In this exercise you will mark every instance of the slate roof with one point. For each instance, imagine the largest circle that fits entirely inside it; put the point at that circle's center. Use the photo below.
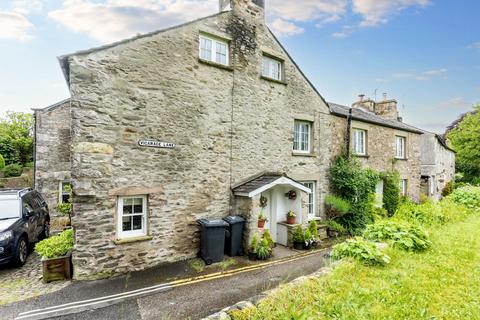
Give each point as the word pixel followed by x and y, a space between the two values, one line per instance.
pixel 365 116
pixel 256 182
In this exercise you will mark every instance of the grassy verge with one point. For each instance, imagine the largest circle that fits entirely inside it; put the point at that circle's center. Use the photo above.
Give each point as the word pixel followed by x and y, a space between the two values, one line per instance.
pixel 441 283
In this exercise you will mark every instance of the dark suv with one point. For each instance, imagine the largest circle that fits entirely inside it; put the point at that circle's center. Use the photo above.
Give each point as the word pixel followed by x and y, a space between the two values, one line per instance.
pixel 24 219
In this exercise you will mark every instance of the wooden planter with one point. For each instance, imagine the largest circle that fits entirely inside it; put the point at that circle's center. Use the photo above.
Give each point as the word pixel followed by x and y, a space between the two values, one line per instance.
pixel 290 220
pixel 57 268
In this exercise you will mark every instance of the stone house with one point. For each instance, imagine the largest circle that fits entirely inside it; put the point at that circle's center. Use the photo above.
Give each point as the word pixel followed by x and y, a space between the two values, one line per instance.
pixel 197 121
pixel 438 165
pixel 375 134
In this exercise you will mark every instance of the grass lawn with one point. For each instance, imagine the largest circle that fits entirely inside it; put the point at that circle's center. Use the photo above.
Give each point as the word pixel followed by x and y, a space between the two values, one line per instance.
pixel 441 283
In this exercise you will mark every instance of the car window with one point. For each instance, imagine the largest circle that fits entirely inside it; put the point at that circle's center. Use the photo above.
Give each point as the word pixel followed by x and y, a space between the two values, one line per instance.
pixel 26 208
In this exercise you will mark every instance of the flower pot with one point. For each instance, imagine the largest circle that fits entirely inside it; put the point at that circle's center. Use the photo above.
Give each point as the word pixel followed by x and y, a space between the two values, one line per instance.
pixel 252 256
pixel 290 220
pixel 332 233
pixel 306 246
pixel 298 245
pixel 261 223
pixel 57 268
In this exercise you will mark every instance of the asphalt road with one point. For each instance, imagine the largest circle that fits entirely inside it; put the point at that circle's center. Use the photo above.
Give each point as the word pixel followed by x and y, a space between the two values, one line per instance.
pixel 191 301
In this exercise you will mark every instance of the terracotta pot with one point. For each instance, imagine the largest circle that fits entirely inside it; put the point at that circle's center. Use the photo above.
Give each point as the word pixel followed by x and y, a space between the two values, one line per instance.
pixel 290 220
pixel 261 223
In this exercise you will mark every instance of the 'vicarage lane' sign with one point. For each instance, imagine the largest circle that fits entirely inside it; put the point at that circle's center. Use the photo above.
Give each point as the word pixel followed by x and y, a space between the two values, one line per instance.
pixel 156 144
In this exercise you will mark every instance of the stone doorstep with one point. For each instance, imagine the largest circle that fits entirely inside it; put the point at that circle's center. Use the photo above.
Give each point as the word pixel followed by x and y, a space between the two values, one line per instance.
pixel 255 300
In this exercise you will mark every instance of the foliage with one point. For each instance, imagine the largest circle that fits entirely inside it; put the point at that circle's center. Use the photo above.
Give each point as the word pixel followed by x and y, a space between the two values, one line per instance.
pixel 352 182
pixel 56 246
pixel 335 226
pixel 64 208
pixel 298 235
pixel 391 191
pixel 313 228
pixel 261 216
pixel 16 143
pixel 2 162
pixel 448 189
pixel 468 196
pixel 267 236
pixel 13 170
pixel 263 250
pixel 361 250
pixel 465 140
pixel 253 244
pixel 291 214
pixel 308 237
pixel 337 206
pixel 401 235
pixel 379 213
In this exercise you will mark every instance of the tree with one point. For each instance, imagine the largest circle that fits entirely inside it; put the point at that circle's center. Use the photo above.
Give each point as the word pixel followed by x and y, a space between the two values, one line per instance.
pixel 465 140
pixel 16 142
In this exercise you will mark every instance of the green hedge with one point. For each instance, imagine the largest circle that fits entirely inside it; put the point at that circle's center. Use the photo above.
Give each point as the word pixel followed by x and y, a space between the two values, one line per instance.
pixel 13 170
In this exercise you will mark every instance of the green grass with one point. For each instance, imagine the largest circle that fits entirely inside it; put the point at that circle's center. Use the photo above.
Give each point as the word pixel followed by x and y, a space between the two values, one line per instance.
pixel 441 283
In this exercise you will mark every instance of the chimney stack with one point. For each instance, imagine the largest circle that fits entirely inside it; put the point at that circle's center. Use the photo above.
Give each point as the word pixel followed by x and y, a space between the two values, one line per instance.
pixel 227 5
pixel 361 97
pixel 384 96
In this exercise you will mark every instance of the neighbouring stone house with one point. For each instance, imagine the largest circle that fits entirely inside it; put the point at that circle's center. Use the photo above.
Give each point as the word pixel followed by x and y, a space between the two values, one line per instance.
pixel 374 133
pixel 438 165
pixel 201 120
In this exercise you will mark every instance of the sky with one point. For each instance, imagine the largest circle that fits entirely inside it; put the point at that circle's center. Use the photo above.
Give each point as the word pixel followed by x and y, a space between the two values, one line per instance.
pixel 423 53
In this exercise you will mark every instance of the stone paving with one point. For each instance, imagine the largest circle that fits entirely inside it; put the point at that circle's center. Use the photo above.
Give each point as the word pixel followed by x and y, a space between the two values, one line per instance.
pixel 26 282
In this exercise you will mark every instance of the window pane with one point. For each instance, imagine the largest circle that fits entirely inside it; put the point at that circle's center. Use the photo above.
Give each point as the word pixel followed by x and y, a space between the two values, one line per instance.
pixel 265 67
pixel 221 53
pixel 127 223
pixel 137 223
pixel 205 49
pixel 65 198
pixel 127 208
pixel 138 205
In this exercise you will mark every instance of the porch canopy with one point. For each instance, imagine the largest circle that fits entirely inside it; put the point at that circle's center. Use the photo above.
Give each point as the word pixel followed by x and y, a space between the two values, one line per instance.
pixel 264 181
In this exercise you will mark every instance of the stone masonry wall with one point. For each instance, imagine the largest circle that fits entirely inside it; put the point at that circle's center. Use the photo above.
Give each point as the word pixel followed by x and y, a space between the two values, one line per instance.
pixel 52 151
pixel 381 151
pixel 156 87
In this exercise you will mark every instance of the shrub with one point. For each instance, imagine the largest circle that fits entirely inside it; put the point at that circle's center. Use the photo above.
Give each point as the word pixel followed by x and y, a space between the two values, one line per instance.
pixel 337 206
pixel 391 191
pixel 298 235
pixel 350 181
pixel 468 196
pixel 361 250
pixel 404 236
pixel 13 170
pixel 379 213
pixel 29 164
pixel 313 228
pixel 308 237
pixel 335 226
pixel 253 244
pixel 64 208
pixel 2 162
pixel 263 250
pixel 267 236
pixel 56 246
pixel 448 189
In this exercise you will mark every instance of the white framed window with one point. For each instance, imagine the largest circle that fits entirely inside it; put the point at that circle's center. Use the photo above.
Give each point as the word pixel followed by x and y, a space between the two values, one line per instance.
pixel 64 192
pixel 311 199
pixel 213 49
pixel 271 68
pixel 132 216
pixel 302 136
pixel 400 147
pixel 360 142
pixel 403 187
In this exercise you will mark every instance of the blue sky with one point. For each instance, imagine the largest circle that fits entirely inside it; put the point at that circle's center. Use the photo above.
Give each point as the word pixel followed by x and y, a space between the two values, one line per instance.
pixel 424 53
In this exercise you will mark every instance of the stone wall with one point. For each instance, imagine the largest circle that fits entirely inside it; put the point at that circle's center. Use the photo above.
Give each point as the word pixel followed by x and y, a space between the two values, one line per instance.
pixel 227 124
pixel 381 151
pixel 52 151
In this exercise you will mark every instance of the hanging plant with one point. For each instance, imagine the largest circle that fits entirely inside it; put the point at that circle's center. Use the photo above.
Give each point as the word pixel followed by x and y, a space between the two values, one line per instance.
pixel 292 195
pixel 263 201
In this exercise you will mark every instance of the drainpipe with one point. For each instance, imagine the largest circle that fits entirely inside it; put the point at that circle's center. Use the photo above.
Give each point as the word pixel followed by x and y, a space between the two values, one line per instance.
pixel 349 131
pixel 34 148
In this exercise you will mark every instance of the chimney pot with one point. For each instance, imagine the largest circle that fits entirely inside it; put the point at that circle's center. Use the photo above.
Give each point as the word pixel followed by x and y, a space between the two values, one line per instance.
pixel 361 97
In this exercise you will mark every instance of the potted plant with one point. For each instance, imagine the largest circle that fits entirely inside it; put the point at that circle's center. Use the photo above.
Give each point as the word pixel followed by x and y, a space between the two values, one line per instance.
pixel 261 220
pixel 298 238
pixel 56 256
pixel 291 217
pixel 334 229
pixel 313 228
pixel 263 250
pixel 267 236
pixel 307 240
pixel 252 250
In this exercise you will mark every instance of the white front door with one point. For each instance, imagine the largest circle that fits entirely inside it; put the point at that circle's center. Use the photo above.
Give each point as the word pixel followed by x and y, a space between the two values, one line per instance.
pixel 270 214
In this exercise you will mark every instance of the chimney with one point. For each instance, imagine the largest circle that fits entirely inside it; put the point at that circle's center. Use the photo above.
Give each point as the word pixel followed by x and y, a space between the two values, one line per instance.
pixel 227 5
pixel 384 96
pixel 361 97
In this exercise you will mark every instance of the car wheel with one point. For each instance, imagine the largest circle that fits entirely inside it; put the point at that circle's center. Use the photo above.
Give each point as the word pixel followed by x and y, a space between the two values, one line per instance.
pixel 21 252
pixel 46 230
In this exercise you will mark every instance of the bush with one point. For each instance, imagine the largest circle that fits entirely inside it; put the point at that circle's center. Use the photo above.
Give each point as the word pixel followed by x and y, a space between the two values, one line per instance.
pixel 64 208
pixel 400 235
pixel 2 162
pixel 313 228
pixel 351 181
pixel 337 206
pixel 379 213
pixel 391 191
pixel 253 244
pixel 263 250
pixel 448 189
pixel 298 235
pixel 267 236
pixel 468 196
pixel 361 250
pixel 29 164
pixel 335 226
pixel 13 170
pixel 56 246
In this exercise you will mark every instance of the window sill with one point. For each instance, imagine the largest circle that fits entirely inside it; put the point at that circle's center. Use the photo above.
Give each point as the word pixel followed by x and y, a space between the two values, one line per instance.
pixel 366 156
pixel 273 80
pixel 401 159
pixel 214 64
pixel 132 240
pixel 303 154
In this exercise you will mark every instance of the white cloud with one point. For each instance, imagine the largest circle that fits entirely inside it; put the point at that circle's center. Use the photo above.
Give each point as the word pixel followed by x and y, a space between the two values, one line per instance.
pixel 475 45
pixel 422 76
pixel 455 103
pixel 26 7
pixel 308 10
pixel 376 12
pixel 15 25
pixel 285 28
pixel 118 19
